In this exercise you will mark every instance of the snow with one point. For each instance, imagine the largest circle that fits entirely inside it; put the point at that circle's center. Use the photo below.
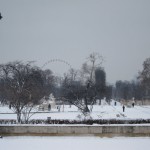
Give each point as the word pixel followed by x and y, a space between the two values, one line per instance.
pixel 74 143
pixel 83 142
pixel 5 109
pixel 103 111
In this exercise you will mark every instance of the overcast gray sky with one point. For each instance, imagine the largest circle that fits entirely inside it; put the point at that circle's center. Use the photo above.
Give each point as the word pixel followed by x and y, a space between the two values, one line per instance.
pixel 42 30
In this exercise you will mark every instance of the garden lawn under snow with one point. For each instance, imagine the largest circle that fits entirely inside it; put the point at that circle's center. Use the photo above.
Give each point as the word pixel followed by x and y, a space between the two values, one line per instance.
pixel 74 143
pixel 103 111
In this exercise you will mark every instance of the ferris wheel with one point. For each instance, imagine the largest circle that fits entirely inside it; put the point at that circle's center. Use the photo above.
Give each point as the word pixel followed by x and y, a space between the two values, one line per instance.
pixel 57 61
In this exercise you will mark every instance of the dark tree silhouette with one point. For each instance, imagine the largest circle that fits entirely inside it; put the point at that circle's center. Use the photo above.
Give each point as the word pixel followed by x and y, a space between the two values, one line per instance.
pixel 144 77
pixel 83 92
pixel 100 82
pixel 21 86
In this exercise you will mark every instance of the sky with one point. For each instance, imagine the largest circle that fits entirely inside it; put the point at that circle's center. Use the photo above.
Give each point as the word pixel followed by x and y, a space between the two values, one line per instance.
pixel 70 30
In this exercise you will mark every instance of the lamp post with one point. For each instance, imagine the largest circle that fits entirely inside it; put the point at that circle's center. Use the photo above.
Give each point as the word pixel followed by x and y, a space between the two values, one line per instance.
pixel 0 16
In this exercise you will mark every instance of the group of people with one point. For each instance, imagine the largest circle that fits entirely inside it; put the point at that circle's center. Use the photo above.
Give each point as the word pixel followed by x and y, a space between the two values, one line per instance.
pixel 123 107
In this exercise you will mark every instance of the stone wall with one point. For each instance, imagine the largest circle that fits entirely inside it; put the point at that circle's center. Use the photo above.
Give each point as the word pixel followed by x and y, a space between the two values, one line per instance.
pixel 107 129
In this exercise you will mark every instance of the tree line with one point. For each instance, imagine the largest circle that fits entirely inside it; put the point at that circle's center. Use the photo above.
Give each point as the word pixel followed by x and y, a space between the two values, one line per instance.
pixel 138 89
pixel 23 85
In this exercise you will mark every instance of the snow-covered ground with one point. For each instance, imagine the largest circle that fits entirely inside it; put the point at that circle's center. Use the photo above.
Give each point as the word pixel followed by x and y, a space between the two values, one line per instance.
pixel 73 143
pixel 103 111
pixel 83 142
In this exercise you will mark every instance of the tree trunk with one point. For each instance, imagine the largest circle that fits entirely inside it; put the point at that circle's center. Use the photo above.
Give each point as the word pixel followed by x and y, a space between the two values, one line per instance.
pixel 86 106
pixel 19 117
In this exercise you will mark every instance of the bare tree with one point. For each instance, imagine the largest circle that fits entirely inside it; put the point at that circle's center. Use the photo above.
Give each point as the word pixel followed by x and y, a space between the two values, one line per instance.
pixel 94 61
pixel 75 90
pixel 144 76
pixel 49 81
pixel 22 87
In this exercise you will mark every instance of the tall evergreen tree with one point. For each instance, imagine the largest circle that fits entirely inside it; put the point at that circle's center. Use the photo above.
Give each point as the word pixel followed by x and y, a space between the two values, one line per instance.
pixel 100 82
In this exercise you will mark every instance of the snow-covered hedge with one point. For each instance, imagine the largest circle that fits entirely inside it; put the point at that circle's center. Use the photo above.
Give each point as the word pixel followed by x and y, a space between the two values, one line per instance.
pixel 89 122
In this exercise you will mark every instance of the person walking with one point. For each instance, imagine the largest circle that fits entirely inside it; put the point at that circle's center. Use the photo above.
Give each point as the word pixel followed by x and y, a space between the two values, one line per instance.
pixel 133 102
pixel 49 107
